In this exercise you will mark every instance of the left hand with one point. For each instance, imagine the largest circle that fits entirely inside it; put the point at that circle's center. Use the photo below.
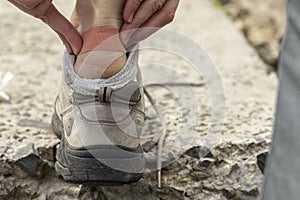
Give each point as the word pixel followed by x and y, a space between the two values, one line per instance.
pixel 146 13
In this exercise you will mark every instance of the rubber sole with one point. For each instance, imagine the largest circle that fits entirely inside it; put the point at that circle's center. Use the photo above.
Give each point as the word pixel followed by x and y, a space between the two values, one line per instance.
pixel 98 165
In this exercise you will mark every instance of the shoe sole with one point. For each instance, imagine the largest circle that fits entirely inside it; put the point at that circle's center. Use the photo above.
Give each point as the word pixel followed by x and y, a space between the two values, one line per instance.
pixel 93 166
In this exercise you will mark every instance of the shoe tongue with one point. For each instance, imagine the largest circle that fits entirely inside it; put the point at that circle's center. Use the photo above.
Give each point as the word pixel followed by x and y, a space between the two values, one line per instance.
pixel 130 93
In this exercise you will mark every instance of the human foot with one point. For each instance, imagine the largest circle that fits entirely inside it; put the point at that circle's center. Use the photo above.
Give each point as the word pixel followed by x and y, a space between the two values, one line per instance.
pixel 100 130
pixel 100 123
pixel 103 54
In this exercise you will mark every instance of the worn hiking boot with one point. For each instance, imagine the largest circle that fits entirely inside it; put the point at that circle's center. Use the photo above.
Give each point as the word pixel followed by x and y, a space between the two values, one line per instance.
pixel 100 134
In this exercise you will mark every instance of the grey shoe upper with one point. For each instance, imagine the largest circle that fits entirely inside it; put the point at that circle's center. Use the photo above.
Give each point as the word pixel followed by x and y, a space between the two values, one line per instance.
pixel 109 117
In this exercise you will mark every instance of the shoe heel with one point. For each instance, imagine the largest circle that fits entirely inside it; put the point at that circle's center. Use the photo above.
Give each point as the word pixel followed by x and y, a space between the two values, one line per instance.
pixel 101 165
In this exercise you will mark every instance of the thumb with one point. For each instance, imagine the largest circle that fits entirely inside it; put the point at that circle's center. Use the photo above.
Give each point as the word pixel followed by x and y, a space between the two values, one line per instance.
pixel 64 28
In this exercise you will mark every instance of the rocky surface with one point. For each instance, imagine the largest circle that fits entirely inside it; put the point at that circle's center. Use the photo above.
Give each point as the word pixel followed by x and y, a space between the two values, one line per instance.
pixel 262 23
pixel 227 170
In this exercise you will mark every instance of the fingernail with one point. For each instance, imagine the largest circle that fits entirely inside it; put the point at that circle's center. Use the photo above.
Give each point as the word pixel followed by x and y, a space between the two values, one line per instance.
pixel 70 51
pixel 130 20
pixel 75 51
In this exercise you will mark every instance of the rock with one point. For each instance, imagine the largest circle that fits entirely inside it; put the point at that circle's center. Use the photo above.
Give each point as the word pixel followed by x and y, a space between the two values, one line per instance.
pixel 228 194
pixel 24 151
pixel 263 24
pixel 47 152
pixel 199 152
pixel 268 51
pixel 30 164
pixel 27 159
pixel 204 164
pixel 3 148
pixel 261 161
pixel 226 168
pixel 149 146
pixel 33 123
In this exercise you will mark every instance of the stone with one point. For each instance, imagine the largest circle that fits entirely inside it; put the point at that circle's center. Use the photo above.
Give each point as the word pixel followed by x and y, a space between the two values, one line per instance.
pixel 149 145
pixel 48 151
pixel 261 161
pixel 229 161
pixel 262 23
pixel 228 194
pixel 30 164
pixel 3 147
pixel 35 124
pixel 27 159
pixel 199 152
pixel 203 164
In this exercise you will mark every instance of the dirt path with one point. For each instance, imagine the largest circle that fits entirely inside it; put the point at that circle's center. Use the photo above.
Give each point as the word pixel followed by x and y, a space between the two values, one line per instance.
pixel 232 173
pixel 262 23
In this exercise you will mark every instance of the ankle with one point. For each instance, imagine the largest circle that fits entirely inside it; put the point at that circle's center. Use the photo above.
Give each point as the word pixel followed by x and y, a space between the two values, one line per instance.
pixel 102 55
pixel 101 38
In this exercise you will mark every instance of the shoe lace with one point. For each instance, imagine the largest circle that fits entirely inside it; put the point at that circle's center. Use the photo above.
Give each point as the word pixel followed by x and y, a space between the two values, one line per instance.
pixel 4 80
pixel 161 116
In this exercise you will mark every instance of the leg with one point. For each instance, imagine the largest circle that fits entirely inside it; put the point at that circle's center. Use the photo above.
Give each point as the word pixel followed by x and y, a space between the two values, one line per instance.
pixel 282 178
pixel 98 20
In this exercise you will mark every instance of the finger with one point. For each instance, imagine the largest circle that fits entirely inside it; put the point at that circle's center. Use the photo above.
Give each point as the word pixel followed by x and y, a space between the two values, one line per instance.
pixel 21 7
pixel 165 16
pixel 130 8
pixel 66 43
pixel 61 25
pixel 40 10
pixel 145 11
pixel 29 4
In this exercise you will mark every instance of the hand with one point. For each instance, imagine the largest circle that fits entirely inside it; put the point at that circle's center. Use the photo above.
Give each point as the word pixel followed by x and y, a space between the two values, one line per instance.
pixel 46 11
pixel 146 13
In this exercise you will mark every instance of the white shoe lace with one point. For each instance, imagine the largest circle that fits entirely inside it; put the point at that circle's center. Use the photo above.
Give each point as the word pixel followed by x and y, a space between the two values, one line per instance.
pixel 4 80
pixel 161 116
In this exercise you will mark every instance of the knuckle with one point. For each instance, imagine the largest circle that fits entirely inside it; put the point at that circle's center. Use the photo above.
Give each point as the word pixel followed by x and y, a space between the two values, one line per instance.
pixel 44 19
pixel 31 4
pixel 170 16
pixel 157 5
pixel 40 14
pixel 29 7
pixel 138 2
pixel 37 15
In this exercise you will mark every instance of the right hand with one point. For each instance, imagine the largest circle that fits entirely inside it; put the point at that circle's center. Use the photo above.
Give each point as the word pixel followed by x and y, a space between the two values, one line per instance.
pixel 46 11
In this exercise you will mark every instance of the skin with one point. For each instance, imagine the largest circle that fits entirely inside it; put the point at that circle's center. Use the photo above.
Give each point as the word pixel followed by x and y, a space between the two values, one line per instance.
pixel 98 20
pixel 93 21
pixel 46 11
pixel 146 13
pixel 127 15
pixel 137 13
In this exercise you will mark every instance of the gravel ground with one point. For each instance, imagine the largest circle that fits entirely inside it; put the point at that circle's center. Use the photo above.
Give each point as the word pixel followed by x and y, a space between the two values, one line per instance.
pixel 27 145
pixel 263 24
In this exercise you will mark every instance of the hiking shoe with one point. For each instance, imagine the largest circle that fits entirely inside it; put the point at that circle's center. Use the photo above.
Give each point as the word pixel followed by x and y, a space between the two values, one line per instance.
pixel 100 135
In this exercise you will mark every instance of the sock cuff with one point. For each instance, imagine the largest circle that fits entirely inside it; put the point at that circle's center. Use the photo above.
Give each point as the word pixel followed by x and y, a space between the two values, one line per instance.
pixel 90 86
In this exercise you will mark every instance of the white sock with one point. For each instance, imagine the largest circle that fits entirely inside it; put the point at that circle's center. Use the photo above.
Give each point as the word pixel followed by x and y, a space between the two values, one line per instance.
pixel 90 86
